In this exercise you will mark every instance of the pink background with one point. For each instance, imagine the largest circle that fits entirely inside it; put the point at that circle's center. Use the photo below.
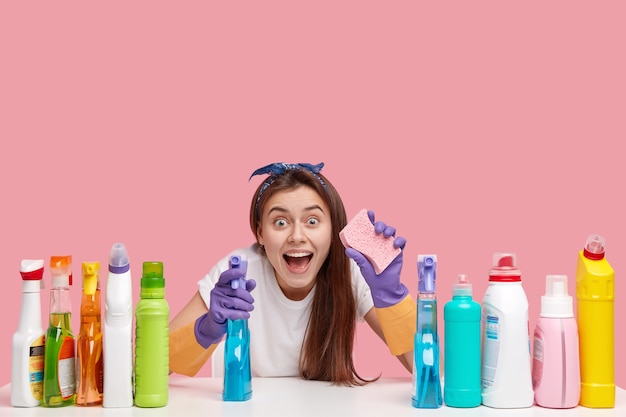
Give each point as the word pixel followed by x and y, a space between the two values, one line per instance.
pixel 472 127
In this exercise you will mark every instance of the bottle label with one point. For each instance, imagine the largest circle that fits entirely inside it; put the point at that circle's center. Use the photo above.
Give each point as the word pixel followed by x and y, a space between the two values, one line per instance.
pixel 66 370
pixel 491 346
pixel 36 355
pixel 537 359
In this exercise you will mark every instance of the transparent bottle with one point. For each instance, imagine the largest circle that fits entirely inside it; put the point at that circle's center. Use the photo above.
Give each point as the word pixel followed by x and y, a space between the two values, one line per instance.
pixel 462 317
pixel 237 376
pixel 28 342
pixel 59 386
pixel 89 361
pixel 595 295
pixel 426 375
pixel 152 339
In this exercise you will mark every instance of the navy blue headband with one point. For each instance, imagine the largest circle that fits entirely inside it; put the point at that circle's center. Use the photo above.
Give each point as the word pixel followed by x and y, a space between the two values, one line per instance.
pixel 278 168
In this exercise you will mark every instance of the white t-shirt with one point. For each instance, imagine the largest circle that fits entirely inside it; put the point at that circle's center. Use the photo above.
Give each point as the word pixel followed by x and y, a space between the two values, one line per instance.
pixel 277 324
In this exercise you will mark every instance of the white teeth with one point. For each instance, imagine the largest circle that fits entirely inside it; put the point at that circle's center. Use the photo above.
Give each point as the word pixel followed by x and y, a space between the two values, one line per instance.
pixel 298 255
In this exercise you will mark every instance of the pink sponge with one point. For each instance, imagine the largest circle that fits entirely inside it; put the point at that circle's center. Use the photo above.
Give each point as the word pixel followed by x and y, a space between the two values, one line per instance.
pixel 359 234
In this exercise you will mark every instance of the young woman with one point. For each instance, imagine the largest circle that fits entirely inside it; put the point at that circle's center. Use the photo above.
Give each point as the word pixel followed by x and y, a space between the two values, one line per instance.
pixel 309 291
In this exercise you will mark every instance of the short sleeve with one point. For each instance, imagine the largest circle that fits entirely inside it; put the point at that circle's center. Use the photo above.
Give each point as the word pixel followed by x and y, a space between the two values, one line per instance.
pixel 362 293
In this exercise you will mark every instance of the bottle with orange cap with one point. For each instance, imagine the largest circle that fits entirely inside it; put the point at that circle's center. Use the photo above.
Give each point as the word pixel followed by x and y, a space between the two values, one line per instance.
pixel 59 386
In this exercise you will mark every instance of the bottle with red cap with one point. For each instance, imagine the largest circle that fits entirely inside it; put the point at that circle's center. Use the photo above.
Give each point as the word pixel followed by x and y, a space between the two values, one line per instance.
pixel 29 339
pixel 595 296
pixel 506 367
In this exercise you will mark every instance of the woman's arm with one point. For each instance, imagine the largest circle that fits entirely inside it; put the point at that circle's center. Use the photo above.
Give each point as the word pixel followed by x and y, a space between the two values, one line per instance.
pixel 187 356
pixel 190 312
pixel 406 358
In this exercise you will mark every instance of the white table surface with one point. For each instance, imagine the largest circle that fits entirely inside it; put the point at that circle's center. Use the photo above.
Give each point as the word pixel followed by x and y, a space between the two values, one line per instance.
pixel 389 397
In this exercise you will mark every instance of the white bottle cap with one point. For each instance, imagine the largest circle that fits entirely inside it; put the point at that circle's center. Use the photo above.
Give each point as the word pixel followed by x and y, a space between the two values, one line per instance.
pixel 556 302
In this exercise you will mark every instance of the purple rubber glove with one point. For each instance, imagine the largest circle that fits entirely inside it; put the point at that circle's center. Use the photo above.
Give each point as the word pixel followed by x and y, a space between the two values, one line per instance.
pixel 226 303
pixel 386 288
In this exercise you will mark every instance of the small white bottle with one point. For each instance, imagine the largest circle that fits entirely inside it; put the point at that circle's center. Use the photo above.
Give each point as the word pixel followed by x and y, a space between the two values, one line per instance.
pixel 506 367
pixel 28 350
pixel 118 331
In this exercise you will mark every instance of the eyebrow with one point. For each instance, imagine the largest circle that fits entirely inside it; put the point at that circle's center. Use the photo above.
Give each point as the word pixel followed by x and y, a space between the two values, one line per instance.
pixel 306 209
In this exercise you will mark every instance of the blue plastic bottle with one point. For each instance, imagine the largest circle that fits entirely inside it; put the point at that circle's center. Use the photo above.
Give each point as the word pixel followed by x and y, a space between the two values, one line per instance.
pixel 237 376
pixel 461 362
pixel 426 383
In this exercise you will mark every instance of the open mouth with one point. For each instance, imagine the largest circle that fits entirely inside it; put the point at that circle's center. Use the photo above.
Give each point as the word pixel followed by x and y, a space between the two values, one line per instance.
pixel 298 261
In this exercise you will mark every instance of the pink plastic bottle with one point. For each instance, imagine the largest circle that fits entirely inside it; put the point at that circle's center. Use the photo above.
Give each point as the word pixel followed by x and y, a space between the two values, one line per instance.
pixel 556 360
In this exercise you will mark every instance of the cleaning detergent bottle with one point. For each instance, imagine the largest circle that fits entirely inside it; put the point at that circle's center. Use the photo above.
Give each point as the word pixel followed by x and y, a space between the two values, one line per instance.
pixel 595 294
pixel 59 384
pixel 461 355
pixel 27 357
pixel 237 376
pixel 556 366
pixel 506 368
pixel 89 343
pixel 426 380
pixel 152 339
pixel 118 331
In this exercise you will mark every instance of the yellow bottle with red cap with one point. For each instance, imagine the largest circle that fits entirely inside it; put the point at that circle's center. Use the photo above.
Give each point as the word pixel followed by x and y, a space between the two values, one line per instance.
pixel 595 315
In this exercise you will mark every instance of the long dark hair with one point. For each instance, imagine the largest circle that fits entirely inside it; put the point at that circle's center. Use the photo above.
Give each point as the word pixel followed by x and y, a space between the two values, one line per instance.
pixel 327 348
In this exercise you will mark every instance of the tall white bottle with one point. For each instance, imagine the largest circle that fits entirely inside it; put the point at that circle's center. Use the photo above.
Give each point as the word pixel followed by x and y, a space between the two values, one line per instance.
pixel 118 330
pixel 506 367
pixel 28 347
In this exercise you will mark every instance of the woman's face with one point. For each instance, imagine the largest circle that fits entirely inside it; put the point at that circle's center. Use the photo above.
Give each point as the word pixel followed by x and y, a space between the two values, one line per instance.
pixel 296 233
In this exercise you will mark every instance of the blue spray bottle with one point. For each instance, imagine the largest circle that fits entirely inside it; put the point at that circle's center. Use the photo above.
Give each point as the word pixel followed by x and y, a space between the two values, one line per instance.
pixel 426 382
pixel 237 376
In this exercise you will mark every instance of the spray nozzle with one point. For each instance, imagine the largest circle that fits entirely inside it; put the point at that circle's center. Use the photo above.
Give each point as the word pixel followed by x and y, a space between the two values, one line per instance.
pixel 594 247
pixel 90 277
pixel 426 273
pixel 237 261
pixel 61 271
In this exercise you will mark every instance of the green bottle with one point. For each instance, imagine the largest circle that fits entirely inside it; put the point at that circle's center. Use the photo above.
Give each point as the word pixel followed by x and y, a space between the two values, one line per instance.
pixel 59 381
pixel 152 339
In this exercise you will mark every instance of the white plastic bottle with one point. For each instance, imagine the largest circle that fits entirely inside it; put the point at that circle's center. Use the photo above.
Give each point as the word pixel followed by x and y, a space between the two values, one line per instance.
pixel 28 347
pixel 506 368
pixel 118 330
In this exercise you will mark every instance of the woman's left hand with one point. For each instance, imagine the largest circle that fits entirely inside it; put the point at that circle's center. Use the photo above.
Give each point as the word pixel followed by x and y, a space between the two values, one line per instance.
pixel 386 288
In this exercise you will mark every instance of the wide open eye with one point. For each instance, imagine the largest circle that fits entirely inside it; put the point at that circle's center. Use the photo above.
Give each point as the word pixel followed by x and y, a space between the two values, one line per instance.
pixel 313 221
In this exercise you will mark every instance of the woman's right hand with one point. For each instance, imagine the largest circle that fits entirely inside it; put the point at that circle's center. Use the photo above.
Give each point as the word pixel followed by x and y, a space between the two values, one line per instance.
pixel 226 303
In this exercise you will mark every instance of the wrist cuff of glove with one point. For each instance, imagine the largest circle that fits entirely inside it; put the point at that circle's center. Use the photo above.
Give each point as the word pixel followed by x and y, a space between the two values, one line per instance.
pixel 205 340
pixel 386 298
pixel 186 356
pixel 399 323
